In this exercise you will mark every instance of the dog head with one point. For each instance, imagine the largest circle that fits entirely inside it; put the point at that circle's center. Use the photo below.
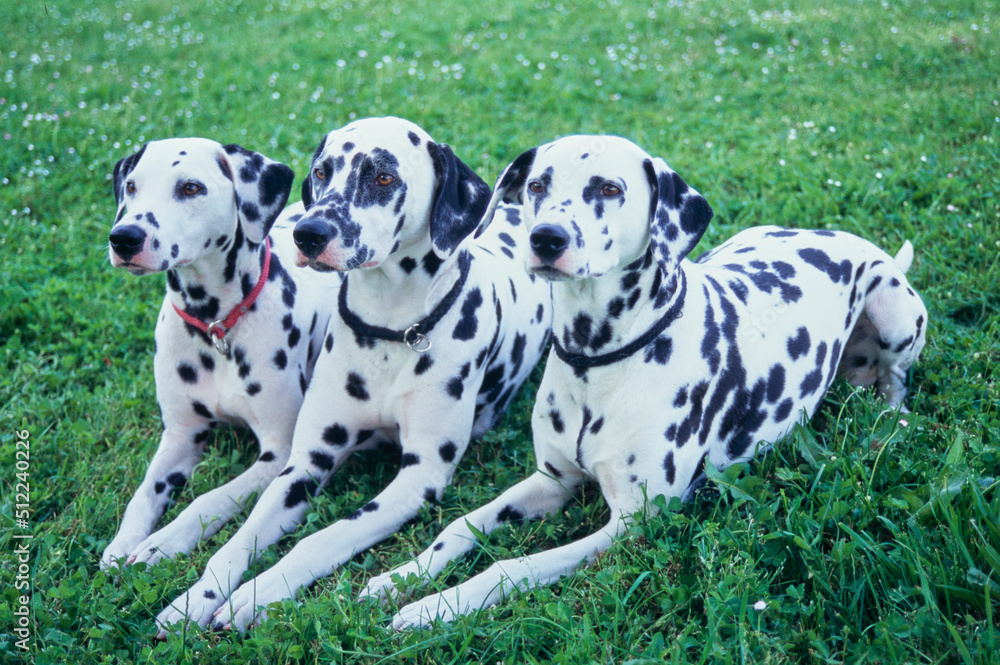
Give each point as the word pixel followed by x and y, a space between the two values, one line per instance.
pixel 180 198
pixel 381 184
pixel 594 203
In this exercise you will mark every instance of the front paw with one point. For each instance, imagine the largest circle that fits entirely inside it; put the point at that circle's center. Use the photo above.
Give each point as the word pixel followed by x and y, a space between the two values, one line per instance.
pixel 119 550
pixel 383 587
pixel 195 606
pixel 421 613
pixel 247 606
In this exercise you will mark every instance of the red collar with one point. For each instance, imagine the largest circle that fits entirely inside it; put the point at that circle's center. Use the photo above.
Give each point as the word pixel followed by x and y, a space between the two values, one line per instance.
pixel 217 329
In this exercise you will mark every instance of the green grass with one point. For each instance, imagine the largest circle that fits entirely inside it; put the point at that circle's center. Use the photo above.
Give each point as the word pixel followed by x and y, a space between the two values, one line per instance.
pixel 865 542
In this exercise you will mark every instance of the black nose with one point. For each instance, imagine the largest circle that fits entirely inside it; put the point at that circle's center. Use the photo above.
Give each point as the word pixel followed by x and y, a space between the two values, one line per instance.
pixel 127 240
pixel 548 241
pixel 311 236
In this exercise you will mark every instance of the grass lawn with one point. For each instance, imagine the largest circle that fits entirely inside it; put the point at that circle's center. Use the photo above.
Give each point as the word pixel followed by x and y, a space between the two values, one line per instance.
pixel 858 540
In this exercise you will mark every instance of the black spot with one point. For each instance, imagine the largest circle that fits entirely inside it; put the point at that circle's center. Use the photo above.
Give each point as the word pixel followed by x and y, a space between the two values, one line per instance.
pixel 209 594
pixel 557 421
pixel 659 350
pixel 423 364
pixel 510 514
pixel 681 398
pixel 775 383
pixel 356 387
pixel 201 409
pixel 811 382
pixel 335 435
pixel 414 139
pixel 280 359
pixel 554 471
pixel 799 345
pixel 408 264
pixel 329 342
pixel 303 383
pixel 321 460
pixel 176 480
pixel 206 361
pixel 838 272
pixel 266 457
pixel 253 388
pixel 820 353
pixel 187 373
pixel 448 451
pixel 159 487
pixel 438 546
pixel 669 467
pixel 783 410
pixel 409 459
pixel 430 495
pixel 467 325
pixel 287 470
pixel 299 492
pixel 598 424
pixel 293 337
pixel 455 387
pixel 431 263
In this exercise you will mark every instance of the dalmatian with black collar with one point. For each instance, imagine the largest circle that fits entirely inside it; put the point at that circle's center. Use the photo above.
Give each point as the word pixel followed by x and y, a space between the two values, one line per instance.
pixel 434 333
pixel 238 333
pixel 659 362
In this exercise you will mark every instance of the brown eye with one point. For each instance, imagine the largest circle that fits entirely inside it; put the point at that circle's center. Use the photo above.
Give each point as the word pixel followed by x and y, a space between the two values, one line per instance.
pixel 610 190
pixel 130 187
pixel 191 188
pixel 385 179
pixel 535 187
pixel 318 172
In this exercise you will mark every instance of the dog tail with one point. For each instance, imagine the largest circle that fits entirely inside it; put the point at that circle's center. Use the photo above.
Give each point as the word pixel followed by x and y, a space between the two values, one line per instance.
pixel 904 257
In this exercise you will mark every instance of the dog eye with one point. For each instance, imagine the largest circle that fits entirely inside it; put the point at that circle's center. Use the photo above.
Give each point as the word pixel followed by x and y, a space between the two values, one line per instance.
pixel 385 179
pixel 130 187
pixel 318 172
pixel 535 187
pixel 191 188
pixel 610 190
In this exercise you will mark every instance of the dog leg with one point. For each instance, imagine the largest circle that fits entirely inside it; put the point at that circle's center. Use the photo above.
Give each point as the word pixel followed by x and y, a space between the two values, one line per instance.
pixel 210 511
pixel 167 473
pixel 532 498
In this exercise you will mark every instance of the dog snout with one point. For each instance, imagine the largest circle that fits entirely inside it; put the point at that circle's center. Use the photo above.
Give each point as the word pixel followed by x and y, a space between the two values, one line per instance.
pixel 549 241
pixel 127 241
pixel 312 236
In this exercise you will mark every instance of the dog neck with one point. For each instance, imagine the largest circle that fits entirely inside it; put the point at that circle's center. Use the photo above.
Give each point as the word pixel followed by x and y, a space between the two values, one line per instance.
pixel 211 286
pixel 403 289
pixel 604 314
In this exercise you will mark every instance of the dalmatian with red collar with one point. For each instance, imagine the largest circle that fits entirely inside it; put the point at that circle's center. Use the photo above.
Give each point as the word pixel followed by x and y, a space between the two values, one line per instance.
pixel 238 333
pixel 433 333
pixel 659 363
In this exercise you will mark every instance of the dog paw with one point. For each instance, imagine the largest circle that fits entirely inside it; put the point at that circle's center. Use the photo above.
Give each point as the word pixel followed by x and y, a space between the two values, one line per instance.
pixel 118 552
pixel 423 612
pixel 247 606
pixel 195 606
pixel 382 588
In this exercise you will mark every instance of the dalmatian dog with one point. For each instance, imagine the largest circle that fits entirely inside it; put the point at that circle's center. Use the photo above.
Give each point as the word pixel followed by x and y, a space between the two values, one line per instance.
pixel 434 330
pixel 659 363
pixel 239 331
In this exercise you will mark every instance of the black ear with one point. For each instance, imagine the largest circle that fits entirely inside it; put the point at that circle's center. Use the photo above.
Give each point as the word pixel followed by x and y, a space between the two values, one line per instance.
pixel 120 174
pixel 510 186
pixel 459 200
pixel 678 215
pixel 262 189
pixel 307 192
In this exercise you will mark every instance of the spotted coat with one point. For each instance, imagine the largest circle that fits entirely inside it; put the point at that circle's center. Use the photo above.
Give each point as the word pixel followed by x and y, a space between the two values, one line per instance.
pixel 660 364
pixel 200 212
pixel 434 333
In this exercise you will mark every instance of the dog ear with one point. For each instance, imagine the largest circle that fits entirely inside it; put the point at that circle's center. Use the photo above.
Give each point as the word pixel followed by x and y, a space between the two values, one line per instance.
pixel 510 186
pixel 119 175
pixel 262 189
pixel 307 193
pixel 678 215
pixel 460 199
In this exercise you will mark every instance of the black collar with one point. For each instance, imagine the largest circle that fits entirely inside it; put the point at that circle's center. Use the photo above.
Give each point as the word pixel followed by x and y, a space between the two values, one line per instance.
pixel 415 336
pixel 580 361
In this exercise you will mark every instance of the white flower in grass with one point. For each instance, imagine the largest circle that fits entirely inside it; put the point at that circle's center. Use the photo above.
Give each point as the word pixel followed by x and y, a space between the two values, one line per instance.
pixel 760 605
